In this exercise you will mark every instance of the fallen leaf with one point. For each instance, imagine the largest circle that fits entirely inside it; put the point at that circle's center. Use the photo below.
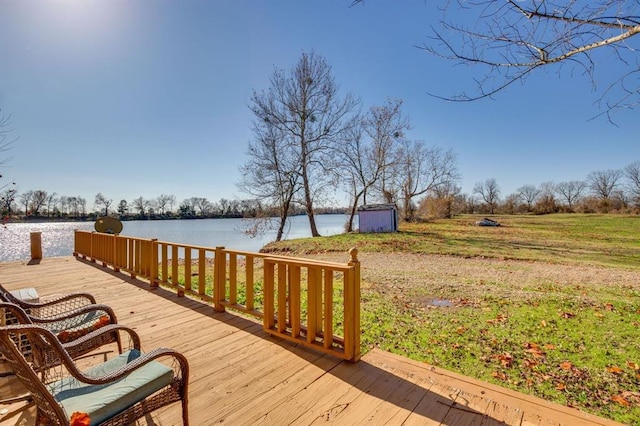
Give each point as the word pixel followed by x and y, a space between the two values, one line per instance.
pixel 543 323
pixel 534 349
pixel 620 400
pixel 550 346
pixel 567 315
pixel 633 365
pixel 499 375
pixel 566 365
pixel 609 307
pixel 560 386
pixel 614 369
pixel 506 360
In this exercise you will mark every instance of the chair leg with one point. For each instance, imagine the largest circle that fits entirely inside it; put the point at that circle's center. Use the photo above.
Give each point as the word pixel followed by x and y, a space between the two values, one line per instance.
pixel 185 413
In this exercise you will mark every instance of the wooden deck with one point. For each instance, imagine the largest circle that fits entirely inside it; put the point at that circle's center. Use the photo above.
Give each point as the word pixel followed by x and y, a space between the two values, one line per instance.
pixel 242 376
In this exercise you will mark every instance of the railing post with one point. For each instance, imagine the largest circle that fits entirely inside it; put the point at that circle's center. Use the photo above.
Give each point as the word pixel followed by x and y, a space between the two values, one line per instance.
pixel 36 245
pixel 75 243
pixel 116 257
pixel 91 248
pixel 354 306
pixel 219 279
pixel 153 263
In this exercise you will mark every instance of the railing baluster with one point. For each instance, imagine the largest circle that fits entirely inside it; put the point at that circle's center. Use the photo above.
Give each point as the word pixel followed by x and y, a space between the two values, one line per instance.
pixel 301 284
pixel 202 271
pixel 328 309
pixel 282 297
pixel 268 308
pixel 294 300
pixel 233 278
pixel 249 282
pixel 187 269
pixel 174 266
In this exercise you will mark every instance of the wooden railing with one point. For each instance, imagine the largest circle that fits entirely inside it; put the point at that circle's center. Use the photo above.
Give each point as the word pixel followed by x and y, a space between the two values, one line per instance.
pixel 314 303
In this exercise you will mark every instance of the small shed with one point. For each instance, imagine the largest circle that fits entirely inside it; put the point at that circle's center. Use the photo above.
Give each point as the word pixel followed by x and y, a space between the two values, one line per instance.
pixel 378 218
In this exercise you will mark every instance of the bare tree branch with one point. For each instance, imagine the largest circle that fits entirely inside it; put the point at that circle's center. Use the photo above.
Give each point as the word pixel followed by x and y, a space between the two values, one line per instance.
pixel 510 39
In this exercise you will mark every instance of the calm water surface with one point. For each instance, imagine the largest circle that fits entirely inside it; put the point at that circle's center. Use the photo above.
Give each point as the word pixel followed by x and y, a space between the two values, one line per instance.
pixel 57 238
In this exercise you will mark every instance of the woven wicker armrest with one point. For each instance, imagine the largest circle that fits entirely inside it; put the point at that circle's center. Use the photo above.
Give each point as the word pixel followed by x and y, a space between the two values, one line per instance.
pixel 78 312
pixel 104 334
pixel 14 313
pixel 51 307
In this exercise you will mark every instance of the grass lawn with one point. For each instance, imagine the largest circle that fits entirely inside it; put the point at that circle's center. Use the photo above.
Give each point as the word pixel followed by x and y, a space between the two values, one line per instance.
pixel 571 336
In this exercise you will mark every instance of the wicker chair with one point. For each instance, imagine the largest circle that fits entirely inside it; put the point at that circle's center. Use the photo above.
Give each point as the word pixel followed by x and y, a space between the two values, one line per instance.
pixel 116 392
pixel 52 307
pixel 73 329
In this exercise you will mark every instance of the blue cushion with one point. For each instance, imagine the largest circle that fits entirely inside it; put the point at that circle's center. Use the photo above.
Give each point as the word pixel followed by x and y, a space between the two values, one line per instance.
pixel 102 402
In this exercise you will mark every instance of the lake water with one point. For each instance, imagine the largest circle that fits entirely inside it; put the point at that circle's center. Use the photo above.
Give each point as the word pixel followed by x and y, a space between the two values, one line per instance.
pixel 57 237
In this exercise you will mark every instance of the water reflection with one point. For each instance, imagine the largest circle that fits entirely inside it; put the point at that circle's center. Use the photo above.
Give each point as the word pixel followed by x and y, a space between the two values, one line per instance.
pixel 57 237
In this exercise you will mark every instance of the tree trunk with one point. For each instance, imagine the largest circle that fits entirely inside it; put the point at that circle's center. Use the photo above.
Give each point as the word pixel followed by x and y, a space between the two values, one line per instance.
pixel 354 208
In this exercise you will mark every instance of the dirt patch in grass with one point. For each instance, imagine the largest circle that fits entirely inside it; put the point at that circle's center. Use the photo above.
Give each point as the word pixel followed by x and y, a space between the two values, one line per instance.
pixel 465 279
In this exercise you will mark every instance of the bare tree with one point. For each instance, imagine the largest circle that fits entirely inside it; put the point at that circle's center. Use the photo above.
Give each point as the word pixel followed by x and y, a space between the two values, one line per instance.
pixel 306 108
pixel 603 183
pixel 77 205
pixel 571 191
pixel 489 191
pixel 123 207
pixel 420 170
pixel 271 174
pixel 51 203
pixel 201 204
pixel 38 200
pixel 82 205
pixel 25 200
pixel 632 173
pixel 7 199
pixel 369 150
pixel 546 202
pixel 529 193
pixel 6 142
pixel 141 205
pixel 102 201
pixel 163 201
pixel 509 40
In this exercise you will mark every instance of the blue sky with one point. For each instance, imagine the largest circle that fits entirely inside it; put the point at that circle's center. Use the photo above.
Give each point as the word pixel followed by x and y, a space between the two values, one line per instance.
pixel 149 97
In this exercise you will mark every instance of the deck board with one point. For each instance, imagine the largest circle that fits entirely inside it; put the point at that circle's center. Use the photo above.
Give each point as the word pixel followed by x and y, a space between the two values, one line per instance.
pixel 240 375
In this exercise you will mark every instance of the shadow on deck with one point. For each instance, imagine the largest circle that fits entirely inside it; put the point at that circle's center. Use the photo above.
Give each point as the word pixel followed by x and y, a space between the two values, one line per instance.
pixel 241 375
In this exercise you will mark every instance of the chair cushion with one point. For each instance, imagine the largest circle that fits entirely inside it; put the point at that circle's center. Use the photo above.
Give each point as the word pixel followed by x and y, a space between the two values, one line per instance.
pixel 102 402
pixel 28 294
pixel 77 326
